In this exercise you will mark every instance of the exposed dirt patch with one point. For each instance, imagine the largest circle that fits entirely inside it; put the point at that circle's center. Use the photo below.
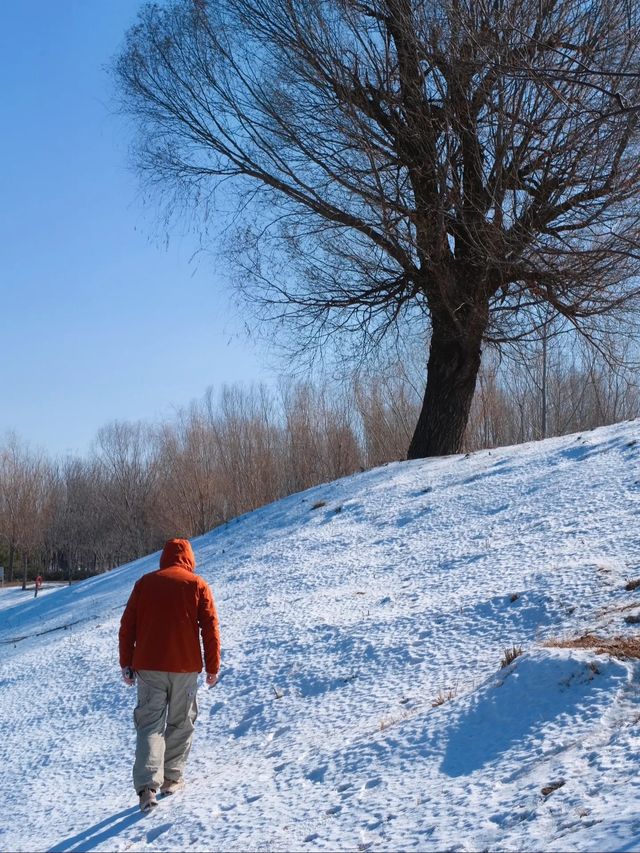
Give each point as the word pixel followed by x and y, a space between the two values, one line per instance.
pixel 631 585
pixel 553 786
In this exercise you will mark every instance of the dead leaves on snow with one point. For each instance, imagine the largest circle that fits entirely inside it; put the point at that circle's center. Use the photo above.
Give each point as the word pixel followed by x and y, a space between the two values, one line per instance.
pixel 620 647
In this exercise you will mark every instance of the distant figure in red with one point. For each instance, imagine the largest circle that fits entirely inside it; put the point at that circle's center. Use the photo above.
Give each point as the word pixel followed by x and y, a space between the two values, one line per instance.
pixel 38 585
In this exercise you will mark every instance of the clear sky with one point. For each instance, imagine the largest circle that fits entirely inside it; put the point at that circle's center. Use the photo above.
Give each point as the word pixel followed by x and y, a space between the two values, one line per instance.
pixel 100 320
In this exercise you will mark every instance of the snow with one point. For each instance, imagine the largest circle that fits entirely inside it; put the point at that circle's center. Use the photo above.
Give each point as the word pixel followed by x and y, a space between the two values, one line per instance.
pixel 10 596
pixel 362 704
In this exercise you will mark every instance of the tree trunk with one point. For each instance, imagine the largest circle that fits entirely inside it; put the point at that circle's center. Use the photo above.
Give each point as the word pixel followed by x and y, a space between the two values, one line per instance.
pixel 454 362
pixel 543 401
pixel 11 556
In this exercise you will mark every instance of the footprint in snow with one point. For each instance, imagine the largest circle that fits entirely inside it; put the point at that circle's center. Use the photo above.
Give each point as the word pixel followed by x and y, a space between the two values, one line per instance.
pixel 318 773
pixel 253 799
pixel 275 754
pixel 507 820
pixel 346 791
pixel 158 831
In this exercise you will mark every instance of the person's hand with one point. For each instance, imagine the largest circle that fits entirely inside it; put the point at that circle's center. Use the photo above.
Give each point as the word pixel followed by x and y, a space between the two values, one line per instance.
pixel 128 676
pixel 212 677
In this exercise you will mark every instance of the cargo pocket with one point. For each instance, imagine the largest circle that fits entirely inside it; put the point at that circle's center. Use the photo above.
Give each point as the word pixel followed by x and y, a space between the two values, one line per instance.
pixel 192 706
pixel 138 711
pixel 147 709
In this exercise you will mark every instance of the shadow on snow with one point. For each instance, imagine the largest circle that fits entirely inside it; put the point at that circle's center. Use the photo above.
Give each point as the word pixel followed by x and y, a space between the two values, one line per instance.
pixel 531 699
pixel 103 831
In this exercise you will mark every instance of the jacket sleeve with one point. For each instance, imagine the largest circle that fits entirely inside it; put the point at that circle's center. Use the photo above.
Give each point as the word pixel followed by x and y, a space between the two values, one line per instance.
pixel 209 629
pixel 127 634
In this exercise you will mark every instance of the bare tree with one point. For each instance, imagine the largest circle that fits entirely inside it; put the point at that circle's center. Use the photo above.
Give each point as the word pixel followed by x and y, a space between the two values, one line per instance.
pixel 560 384
pixel 81 533
pixel 186 492
pixel 128 472
pixel 319 440
pixel 388 407
pixel 24 477
pixel 455 164
pixel 247 438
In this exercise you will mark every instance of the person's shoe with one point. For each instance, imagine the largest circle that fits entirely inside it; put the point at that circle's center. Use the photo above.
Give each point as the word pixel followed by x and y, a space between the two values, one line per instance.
pixel 170 786
pixel 147 799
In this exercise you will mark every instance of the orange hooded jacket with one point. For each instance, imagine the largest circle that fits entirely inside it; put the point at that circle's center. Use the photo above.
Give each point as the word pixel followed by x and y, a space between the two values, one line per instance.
pixel 159 626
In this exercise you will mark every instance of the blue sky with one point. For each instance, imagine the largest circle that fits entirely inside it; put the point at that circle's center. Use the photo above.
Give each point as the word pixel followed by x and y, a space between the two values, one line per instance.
pixel 101 320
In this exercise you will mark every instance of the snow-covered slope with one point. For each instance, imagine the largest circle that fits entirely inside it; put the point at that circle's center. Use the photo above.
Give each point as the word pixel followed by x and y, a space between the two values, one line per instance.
pixel 362 703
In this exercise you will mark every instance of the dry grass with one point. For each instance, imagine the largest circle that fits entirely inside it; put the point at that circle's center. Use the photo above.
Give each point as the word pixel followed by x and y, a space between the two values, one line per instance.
pixel 617 608
pixel 443 696
pixel 510 655
pixel 620 647
pixel 319 504
pixel 386 722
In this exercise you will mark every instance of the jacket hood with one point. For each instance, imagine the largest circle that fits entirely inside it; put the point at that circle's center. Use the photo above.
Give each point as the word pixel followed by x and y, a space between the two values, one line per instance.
pixel 178 552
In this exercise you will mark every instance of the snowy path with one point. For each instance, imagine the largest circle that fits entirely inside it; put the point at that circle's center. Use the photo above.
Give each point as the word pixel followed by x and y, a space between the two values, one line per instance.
pixel 343 626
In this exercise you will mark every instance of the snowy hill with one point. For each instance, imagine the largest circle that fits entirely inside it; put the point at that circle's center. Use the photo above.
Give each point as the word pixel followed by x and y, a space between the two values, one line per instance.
pixel 362 703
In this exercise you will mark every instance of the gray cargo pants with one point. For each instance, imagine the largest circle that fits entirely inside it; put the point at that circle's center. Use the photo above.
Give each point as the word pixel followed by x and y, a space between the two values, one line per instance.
pixel 164 718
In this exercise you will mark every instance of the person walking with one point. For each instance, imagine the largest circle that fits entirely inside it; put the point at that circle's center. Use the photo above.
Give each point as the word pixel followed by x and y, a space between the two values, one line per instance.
pixel 167 612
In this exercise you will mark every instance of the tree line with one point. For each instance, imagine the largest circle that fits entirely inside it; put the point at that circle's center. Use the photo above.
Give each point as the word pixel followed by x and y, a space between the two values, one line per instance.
pixel 230 453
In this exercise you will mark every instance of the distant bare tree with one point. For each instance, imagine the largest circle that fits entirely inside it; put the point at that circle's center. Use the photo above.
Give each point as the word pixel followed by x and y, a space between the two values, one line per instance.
pixel 456 163
pixel 337 426
pixel 186 492
pixel 320 442
pixel 246 434
pixel 81 532
pixel 24 476
pixel 565 381
pixel 304 461
pixel 128 471
pixel 388 407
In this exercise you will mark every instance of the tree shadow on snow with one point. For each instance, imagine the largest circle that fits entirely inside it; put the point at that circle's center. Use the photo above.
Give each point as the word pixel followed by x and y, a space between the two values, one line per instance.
pixel 529 699
pixel 103 831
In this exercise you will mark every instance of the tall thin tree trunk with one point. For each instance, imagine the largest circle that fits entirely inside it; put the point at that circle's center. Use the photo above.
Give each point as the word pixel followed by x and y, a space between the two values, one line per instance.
pixel 543 401
pixel 12 551
pixel 454 362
